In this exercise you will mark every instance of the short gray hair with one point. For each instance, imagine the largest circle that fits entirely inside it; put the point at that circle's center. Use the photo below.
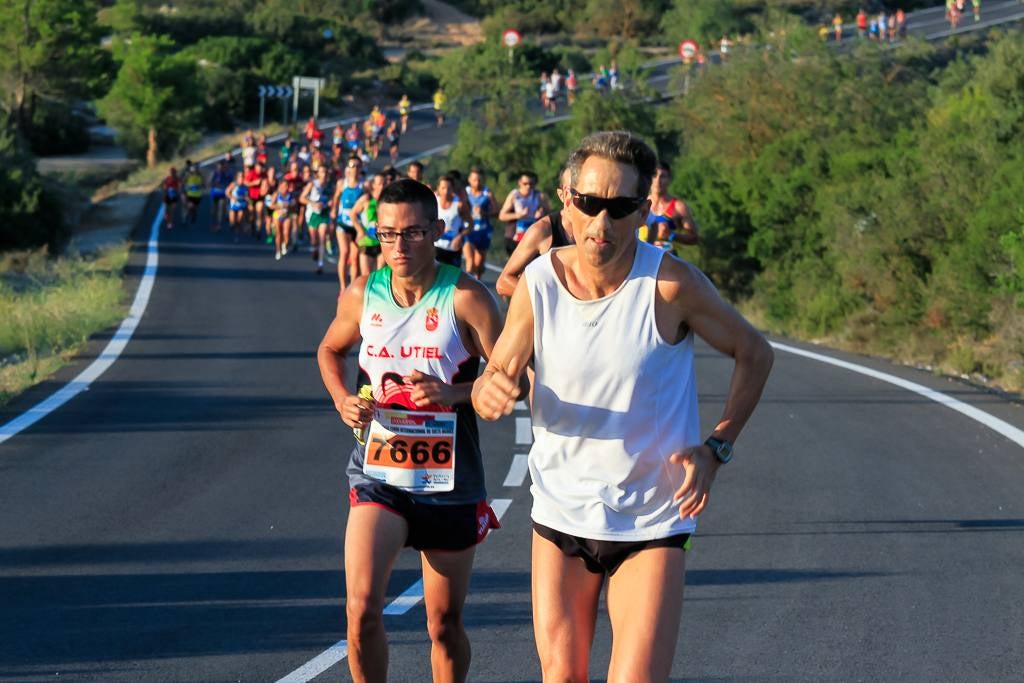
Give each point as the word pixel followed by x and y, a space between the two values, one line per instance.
pixel 619 146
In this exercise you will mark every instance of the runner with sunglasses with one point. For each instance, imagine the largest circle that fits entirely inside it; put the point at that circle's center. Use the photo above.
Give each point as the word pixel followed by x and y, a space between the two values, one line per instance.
pixel 649 470
pixel 522 207
pixel 421 329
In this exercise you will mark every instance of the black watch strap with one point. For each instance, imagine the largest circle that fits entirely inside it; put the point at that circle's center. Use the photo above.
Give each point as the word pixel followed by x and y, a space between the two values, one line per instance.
pixel 721 448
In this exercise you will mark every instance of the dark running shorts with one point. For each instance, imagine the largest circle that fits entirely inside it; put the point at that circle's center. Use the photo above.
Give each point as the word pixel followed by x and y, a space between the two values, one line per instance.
pixel 481 239
pixel 351 232
pixel 431 527
pixel 452 258
pixel 604 557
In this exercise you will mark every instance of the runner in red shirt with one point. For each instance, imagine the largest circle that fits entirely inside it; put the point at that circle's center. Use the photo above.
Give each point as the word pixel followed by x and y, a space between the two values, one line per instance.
pixel 172 192
pixel 254 180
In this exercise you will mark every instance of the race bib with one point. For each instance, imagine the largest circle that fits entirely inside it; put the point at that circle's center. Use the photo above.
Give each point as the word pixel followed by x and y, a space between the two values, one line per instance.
pixel 411 451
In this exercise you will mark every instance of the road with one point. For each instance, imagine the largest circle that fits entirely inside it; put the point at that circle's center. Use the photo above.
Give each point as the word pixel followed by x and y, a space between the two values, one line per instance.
pixel 182 519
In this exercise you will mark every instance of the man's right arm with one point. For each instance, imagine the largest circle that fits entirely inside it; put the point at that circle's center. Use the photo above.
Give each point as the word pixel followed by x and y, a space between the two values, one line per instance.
pixel 496 391
pixel 340 337
pixel 535 242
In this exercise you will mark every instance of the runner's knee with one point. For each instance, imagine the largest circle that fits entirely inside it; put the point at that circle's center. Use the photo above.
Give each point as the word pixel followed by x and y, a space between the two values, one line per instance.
pixel 365 616
pixel 444 626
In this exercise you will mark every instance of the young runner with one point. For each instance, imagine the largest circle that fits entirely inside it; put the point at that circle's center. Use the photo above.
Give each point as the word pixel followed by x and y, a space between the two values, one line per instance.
pixel 421 329
pixel 548 233
pixel 404 107
pixel 482 209
pixel 282 219
pixel 219 182
pixel 238 204
pixel 457 222
pixel 315 198
pixel 172 193
pixel 669 223
pixel 522 207
pixel 364 219
pixel 346 193
pixel 194 185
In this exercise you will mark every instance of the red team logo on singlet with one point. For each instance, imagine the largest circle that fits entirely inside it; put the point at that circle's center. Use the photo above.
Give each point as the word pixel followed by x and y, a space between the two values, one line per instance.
pixel 376 320
pixel 431 319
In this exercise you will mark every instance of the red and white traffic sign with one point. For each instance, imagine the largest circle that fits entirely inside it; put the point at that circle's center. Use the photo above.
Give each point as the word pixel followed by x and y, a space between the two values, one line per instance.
pixel 511 37
pixel 688 50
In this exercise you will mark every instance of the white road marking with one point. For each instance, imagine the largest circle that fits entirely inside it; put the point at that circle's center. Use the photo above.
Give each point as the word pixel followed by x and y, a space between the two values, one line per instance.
pixel 400 605
pixel 517 471
pixel 521 405
pixel 406 601
pixel 500 507
pixel 493 268
pixel 110 353
pixel 524 432
pixel 990 421
pixel 319 664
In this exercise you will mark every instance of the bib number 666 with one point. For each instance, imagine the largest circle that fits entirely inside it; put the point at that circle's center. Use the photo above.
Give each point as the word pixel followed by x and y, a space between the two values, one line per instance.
pixel 418 452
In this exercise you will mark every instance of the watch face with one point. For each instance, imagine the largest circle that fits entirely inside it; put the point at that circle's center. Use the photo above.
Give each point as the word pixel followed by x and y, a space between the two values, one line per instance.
pixel 725 452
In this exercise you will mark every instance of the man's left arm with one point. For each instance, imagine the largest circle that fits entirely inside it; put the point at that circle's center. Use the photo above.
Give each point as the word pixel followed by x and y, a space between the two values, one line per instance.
pixel 692 301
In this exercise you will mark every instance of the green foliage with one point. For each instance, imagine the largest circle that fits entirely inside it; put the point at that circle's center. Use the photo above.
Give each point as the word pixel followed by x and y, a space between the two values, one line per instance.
pixel 701 20
pixel 485 68
pixel 877 197
pixel 152 100
pixel 49 52
pixel 29 215
pixel 56 129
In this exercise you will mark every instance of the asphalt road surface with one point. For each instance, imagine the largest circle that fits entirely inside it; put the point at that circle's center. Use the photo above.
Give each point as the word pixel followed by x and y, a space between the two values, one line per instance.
pixel 182 519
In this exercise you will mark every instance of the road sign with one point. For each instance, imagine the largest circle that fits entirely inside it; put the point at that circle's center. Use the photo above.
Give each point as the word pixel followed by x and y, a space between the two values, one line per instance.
pixel 275 91
pixel 688 50
pixel 511 37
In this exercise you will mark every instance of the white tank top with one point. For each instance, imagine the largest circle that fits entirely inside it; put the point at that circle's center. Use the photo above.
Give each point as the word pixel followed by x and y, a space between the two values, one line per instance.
pixel 612 401
pixel 452 223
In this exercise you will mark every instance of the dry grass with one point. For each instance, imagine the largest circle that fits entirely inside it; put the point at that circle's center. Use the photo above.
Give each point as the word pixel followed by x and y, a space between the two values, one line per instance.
pixel 50 307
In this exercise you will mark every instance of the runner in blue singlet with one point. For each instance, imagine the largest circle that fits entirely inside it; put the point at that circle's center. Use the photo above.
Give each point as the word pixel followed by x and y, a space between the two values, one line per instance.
pixel 482 208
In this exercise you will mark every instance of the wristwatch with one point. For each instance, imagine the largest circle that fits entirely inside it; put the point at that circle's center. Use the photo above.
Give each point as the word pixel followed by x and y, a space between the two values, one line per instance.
pixel 721 448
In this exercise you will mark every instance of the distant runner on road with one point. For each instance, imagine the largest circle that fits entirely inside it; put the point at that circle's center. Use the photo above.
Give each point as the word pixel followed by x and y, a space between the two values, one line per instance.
pixel 522 207
pixel 421 329
pixel 548 233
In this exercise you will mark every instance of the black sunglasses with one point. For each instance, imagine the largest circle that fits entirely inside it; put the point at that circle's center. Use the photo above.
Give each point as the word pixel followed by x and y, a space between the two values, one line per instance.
pixel 617 207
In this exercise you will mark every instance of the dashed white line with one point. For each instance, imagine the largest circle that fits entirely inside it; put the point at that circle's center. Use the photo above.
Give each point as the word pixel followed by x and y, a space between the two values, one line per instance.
pixel 110 353
pixel 319 664
pixel 521 405
pixel 400 605
pixel 524 432
pixel 517 471
pixel 406 601
pixel 500 507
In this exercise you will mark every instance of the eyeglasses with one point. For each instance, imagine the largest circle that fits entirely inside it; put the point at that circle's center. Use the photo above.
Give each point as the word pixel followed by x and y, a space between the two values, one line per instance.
pixel 617 207
pixel 414 234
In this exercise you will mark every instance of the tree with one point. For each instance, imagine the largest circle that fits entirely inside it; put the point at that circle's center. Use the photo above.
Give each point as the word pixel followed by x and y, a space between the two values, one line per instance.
pixel 151 104
pixel 27 216
pixel 48 49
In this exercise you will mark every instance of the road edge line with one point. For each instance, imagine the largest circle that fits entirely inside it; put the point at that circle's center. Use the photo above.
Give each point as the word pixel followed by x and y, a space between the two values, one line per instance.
pixel 111 352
